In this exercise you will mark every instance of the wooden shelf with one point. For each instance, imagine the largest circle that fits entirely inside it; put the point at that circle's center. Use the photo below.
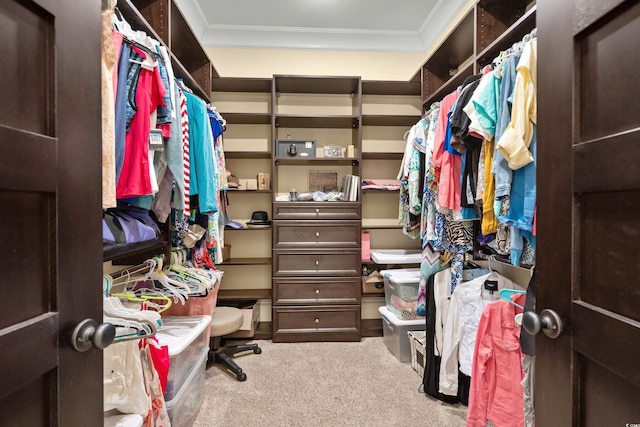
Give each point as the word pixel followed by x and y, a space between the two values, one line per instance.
pixel 152 247
pixel 327 121
pixel 247 154
pixel 316 84
pixel 465 70
pixel 240 84
pixel 380 223
pixel 378 191
pixel 247 118
pixel 514 33
pixel 381 156
pixel 181 72
pixel 389 120
pixel 316 160
pixel 247 229
pixel 243 294
pixel 389 87
pixel 246 261
pixel 236 191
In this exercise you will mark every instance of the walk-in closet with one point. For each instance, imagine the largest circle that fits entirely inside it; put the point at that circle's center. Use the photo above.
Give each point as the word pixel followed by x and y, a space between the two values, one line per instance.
pixel 319 213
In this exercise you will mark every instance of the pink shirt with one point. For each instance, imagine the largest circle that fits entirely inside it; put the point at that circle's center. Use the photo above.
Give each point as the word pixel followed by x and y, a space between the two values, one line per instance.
pixel 448 164
pixel 496 391
pixel 134 178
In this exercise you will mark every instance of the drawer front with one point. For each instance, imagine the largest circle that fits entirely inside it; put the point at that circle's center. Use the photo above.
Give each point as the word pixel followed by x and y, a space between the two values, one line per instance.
pixel 333 323
pixel 322 210
pixel 317 262
pixel 341 234
pixel 316 291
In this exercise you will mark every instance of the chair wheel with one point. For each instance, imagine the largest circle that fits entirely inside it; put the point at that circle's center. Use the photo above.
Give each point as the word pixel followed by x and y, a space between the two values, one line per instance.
pixel 257 350
pixel 241 376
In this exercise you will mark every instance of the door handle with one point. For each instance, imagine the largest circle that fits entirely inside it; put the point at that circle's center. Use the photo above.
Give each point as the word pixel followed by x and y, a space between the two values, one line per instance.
pixel 548 322
pixel 89 334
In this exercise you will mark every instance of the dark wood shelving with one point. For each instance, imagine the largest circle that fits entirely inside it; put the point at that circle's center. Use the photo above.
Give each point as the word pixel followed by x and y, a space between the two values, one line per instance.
pixel 317 121
pixel 247 154
pixel 181 72
pixel 247 118
pixel 247 229
pixel 389 87
pixel 382 156
pixel 316 84
pixel 246 261
pixel 514 33
pixel 243 294
pixel 378 191
pixel 371 327
pixel 316 160
pixel 135 250
pixel 388 120
pixel 233 190
pixel 449 86
pixel 240 84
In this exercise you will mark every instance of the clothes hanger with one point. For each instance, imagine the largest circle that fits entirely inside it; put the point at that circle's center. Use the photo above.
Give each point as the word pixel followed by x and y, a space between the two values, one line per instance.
pixel 147 299
pixel 506 294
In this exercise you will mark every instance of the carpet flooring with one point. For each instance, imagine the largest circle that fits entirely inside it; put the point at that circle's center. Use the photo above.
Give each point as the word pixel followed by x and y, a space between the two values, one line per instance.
pixel 322 384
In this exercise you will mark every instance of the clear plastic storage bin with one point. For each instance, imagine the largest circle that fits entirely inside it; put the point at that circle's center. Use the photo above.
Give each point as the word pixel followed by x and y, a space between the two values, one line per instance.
pixel 186 337
pixel 183 408
pixel 396 256
pixel 396 333
pixel 401 288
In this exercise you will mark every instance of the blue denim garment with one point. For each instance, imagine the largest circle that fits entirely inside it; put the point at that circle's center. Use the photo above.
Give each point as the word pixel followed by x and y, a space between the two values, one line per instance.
pixel 522 201
pixel 164 113
pixel 133 74
pixel 501 170
pixel 121 105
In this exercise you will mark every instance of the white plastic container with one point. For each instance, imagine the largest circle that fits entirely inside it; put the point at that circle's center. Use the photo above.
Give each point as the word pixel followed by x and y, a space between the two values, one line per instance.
pixel 186 337
pixel 395 333
pixel 401 289
pixel 396 256
pixel 183 408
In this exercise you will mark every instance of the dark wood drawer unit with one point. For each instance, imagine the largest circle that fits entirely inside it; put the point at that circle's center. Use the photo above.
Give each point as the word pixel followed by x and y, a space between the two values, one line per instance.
pixel 317 262
pixel 319 323
pixel 327 290
pixel 305 234
pixel 316 271
pixel 317 210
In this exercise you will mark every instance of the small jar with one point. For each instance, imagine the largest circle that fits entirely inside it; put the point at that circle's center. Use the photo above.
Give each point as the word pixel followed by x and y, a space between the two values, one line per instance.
pixel 293 195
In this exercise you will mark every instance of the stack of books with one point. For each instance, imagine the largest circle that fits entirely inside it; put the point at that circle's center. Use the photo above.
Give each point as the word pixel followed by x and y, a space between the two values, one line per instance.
pixel 351 188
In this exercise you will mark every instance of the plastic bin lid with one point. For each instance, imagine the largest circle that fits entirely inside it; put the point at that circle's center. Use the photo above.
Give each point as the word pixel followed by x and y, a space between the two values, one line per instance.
pixel 387 314
pixel 396 256
pixel 402 275
pixel 178 332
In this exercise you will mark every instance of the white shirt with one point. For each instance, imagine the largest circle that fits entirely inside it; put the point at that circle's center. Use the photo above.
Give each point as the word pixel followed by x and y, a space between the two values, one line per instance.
pixel 467 303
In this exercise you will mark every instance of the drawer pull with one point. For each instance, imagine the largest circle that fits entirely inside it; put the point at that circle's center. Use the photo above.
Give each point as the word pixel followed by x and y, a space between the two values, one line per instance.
pixel 317 320
pixel 317 234
pixel 317 262
pixel 317 211
pixel 317 291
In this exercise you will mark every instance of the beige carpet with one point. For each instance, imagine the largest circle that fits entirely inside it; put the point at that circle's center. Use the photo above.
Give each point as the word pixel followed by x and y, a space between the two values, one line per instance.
pixel 322 384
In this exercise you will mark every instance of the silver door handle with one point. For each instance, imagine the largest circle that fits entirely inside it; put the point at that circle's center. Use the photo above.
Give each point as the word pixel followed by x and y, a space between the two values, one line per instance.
pixel 548 322
pixel 89 334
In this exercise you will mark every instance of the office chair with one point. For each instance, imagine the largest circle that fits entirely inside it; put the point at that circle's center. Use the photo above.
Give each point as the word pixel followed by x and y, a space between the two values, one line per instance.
pixel 226 320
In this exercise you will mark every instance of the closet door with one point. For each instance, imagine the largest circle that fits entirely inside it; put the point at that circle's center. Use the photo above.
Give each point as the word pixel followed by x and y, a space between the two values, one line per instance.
pixel 589 199
pixel 50 181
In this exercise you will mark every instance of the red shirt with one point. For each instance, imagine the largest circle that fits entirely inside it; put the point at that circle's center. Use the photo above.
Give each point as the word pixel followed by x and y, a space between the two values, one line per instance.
pixel 134 179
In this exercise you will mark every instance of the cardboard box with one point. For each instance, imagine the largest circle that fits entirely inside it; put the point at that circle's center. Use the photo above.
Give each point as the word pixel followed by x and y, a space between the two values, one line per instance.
pixel 373 283
pixel 264 181
pixel 418 341
pixel 250 317
pixel 252 184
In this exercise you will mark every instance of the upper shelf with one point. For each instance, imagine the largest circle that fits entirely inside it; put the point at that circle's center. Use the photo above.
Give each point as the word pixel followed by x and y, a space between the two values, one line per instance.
pixel 188 60
pixel 317 121
pixel 240 84
pixel 388 120
pixel 389 87
pixel 316 84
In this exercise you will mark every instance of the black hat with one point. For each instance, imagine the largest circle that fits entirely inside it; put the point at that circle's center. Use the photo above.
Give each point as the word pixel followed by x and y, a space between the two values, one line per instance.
pixel 259 218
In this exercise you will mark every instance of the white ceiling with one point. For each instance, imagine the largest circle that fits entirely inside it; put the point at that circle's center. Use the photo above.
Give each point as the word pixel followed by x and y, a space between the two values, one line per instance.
pixel 379 25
